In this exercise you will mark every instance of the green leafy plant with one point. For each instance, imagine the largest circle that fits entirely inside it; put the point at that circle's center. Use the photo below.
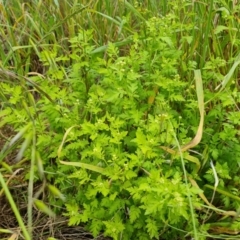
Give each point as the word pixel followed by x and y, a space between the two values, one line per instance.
pixel 102 103
pixel 137 190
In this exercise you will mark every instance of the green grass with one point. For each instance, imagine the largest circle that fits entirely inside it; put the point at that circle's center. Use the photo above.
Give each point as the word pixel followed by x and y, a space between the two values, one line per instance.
pixel 54 52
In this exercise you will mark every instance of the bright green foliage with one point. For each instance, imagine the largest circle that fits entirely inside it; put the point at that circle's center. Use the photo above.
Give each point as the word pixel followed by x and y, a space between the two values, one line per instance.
pixel 114 83
pixel 121 133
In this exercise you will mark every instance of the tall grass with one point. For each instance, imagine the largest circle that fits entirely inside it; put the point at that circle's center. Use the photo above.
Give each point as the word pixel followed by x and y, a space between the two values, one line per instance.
pixel 213 26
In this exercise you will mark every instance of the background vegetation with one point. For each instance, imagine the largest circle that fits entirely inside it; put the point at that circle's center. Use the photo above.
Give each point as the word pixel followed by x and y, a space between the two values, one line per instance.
pixel 120 116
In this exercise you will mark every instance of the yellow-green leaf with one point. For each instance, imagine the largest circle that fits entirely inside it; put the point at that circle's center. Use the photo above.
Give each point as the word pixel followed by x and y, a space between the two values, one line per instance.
pixel 43 208
pixel 56 192
pixel 85 165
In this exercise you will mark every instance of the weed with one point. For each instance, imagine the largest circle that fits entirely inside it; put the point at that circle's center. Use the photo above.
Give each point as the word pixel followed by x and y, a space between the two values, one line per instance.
pixel 102 99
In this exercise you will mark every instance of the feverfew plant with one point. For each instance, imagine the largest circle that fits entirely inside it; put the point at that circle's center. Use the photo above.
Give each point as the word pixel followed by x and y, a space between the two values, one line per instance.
pixel 125 110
